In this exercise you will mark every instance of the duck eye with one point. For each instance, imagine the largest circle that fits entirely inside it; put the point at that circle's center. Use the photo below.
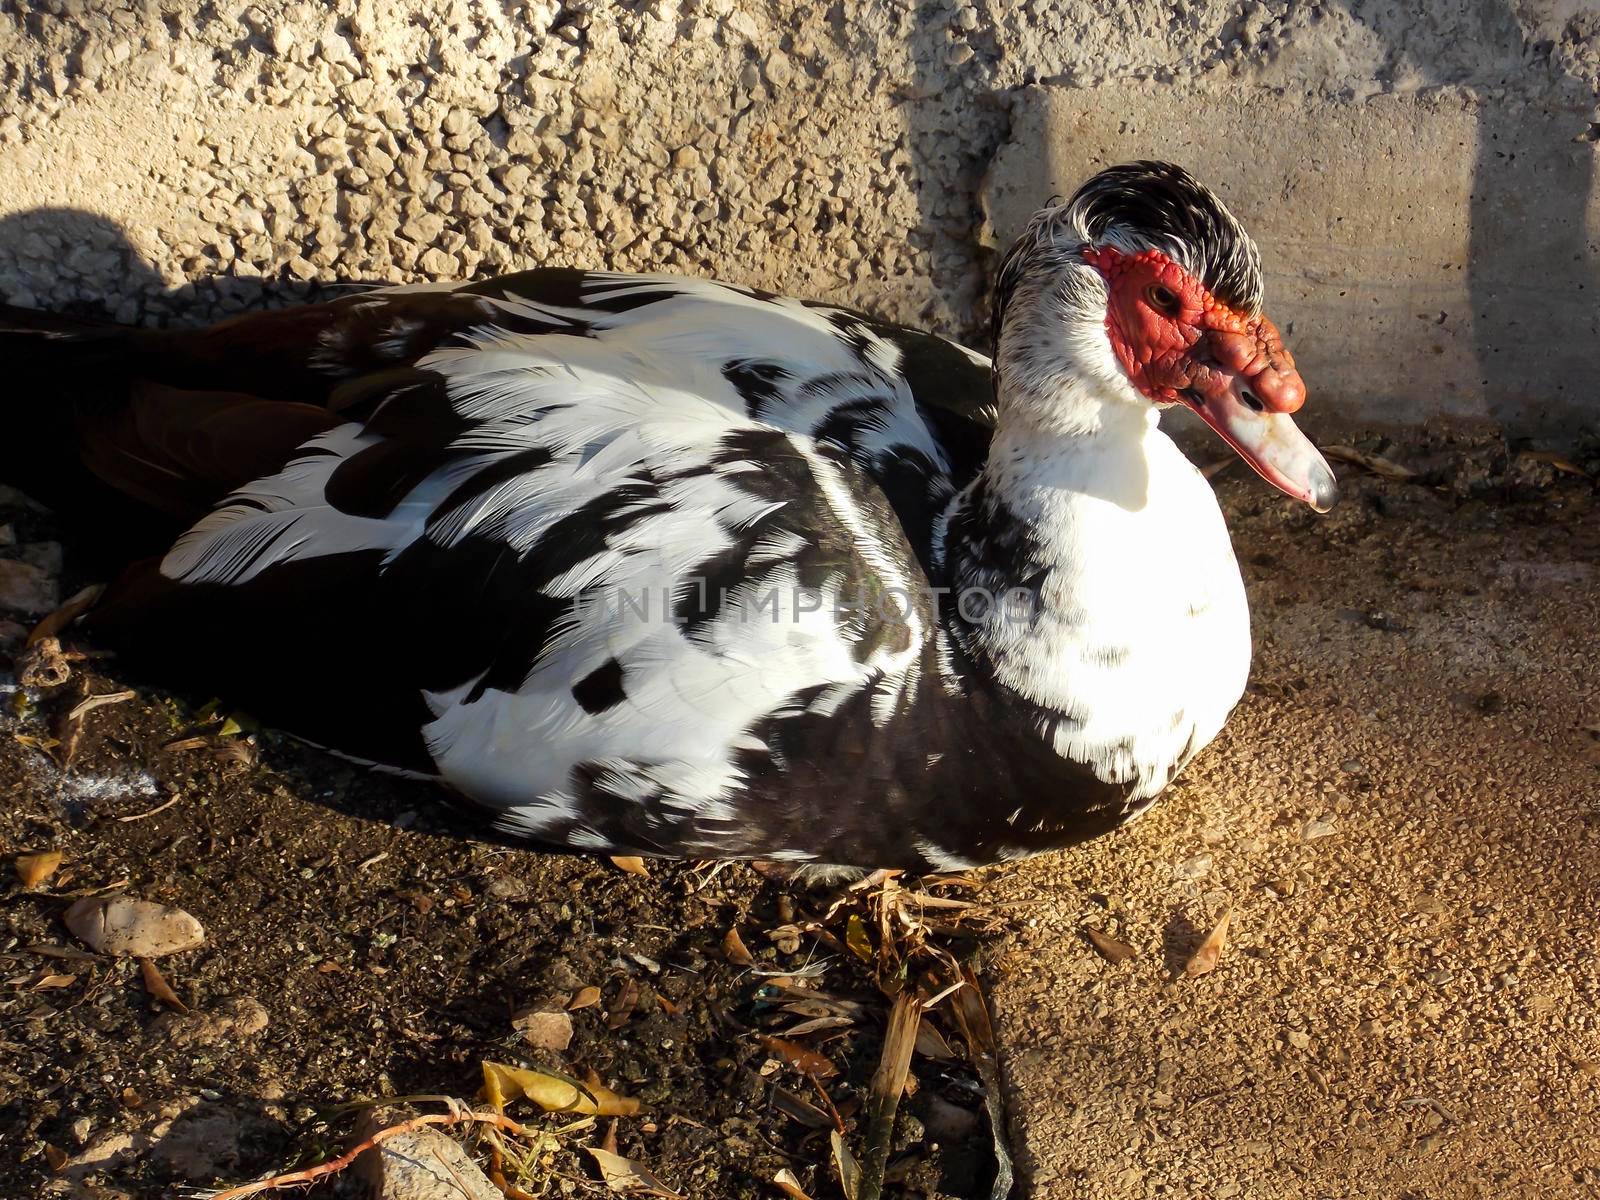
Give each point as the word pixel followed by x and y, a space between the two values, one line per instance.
pixel 1163 299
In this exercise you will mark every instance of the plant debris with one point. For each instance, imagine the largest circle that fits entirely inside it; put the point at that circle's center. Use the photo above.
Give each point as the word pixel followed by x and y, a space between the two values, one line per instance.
pixel 1205 959
pixel 1108 947
pixel 623 1175
pixel 156 984
pixel 34 869
pixel 553 1092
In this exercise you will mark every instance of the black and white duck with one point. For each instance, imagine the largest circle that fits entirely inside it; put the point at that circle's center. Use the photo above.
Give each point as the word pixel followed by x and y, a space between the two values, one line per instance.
pixel 653 565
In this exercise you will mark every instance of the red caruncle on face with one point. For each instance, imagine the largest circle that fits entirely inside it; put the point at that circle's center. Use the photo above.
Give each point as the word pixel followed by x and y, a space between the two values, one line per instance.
pixel 1172 336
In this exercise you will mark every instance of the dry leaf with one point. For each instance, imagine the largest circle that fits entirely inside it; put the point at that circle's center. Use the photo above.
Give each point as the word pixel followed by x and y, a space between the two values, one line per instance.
pixel 807 1062
pixel 584 997
pixel 1210 951
pixel 1565 465
pixel 79 603
pixel 786 1183
pixel 156 984
pixel 622 1008
pixel 34 869
pixel 1372 462
pixel 818 1025
pixel 138 928
pixel 624 1175
pixel 931 1043
pixel 54 981
pixel 1110 949
pixel 632 865
pixel 553 1092
pixel 735 951
pixel 845 1164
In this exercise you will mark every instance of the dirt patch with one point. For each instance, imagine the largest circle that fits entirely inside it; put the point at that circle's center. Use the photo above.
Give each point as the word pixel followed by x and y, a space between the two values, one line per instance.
pixel 358 948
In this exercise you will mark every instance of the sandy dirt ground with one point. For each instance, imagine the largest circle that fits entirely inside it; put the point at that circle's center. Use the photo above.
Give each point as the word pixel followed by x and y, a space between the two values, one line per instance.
pixel 1403 819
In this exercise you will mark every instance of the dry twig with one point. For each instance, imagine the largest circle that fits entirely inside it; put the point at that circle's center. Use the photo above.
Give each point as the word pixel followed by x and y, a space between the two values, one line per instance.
pixel 458 1114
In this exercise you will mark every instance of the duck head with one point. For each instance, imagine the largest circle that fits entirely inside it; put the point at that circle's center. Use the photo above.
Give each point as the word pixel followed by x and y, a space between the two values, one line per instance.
pixel 1144 290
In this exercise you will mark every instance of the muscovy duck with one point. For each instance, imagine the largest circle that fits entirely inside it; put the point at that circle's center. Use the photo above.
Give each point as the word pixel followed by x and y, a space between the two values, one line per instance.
pixel 655 565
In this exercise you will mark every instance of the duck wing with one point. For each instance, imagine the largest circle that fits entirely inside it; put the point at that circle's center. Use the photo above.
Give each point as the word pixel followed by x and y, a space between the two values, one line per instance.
pixel 533 542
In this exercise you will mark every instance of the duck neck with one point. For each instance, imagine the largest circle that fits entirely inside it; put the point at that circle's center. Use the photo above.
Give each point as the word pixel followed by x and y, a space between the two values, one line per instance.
pixel 1025 535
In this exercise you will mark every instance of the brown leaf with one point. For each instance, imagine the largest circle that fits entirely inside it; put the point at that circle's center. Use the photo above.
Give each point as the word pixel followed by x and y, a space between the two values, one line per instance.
pixel 622 1008
pixel 786 1183
pixel 1565 465
pixel 544 1029
pixel 624 1175
pixel 48 982
pixel 156 984
pixel 735 951
pixel 1387 468
pixel 931 1043
pixel 584 997
pixel 55 1157
pixel 1108 947
pixel 1210 951
pixel 34 869
pixel 633 865
pixel 80 603
pixel 807 1062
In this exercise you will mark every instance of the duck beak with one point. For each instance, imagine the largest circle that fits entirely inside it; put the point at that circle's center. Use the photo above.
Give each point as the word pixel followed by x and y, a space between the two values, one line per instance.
pixel 1247 397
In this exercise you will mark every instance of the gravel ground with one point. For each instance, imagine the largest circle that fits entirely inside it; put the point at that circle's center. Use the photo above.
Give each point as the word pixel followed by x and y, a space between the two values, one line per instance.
pixel 1404 818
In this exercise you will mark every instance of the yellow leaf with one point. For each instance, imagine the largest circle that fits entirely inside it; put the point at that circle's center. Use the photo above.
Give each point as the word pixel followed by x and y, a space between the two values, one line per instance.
pixel 34 869
pixel 633 865
pixel 553 1093
pixel 584 997
pixel 855 936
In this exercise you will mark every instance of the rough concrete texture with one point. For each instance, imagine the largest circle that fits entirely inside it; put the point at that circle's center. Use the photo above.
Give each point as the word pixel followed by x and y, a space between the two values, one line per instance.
pixel 170 159
pixel 1371 220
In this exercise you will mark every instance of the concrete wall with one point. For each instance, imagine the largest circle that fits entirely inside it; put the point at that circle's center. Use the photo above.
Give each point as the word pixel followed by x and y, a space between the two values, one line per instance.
pixel 1421 184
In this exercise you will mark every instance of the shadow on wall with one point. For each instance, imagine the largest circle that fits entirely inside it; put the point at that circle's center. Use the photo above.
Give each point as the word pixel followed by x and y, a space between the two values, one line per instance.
pixel 95 247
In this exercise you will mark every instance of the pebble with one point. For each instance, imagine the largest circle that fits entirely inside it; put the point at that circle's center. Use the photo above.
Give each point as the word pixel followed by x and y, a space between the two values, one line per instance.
pixel 121 926
pixel 1195 867
pixel 544 1029
pixel 1317 827
pixel 27 588
pixel 423 1164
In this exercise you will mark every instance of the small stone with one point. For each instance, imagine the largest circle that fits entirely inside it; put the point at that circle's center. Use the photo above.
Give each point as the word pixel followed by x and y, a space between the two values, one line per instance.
pixel 1439 976
pixel 1317 827
pixel 121 926
pixel 1299 1039
pixel 544 1029
pixel 1282 888
pixel 685 158
pixel 421 1165
pixel 26 588
pixel 230 1022
pixel 1194 867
